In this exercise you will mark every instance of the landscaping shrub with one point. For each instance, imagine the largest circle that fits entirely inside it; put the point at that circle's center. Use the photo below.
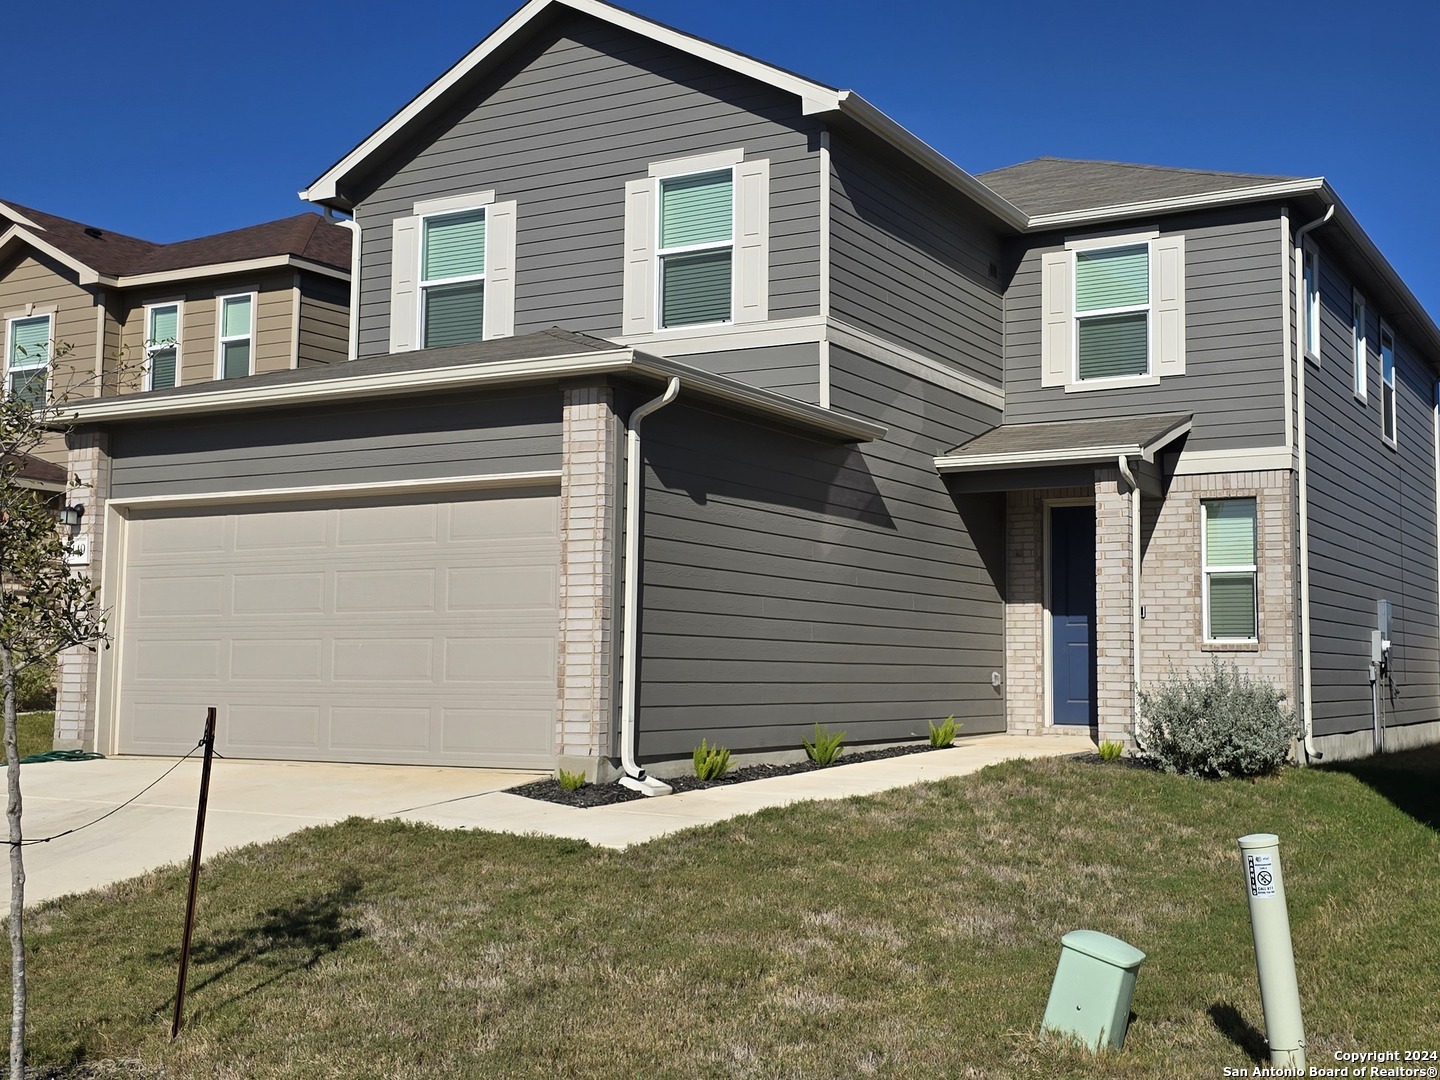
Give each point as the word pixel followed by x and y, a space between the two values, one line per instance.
pixel 571 781
pixel 826 747
pixel 944 735
pixel 35 687
pixel 710 761
pixel 1216 723
pixel 1110 750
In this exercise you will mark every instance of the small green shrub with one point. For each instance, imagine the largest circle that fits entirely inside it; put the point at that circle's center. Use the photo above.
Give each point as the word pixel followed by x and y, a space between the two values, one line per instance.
pixel 1216 723
pixel 711 762
pixel 826 747
pixel 944 735
pixel 1110 750
pixel 571 781
pixel 35 687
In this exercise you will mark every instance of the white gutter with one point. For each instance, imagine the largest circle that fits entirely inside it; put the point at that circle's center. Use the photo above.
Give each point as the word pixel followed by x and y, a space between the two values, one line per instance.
pixel 352 348
pixel 1129 476
pixel 635 777
pixel 1306 691
pixel 1177 204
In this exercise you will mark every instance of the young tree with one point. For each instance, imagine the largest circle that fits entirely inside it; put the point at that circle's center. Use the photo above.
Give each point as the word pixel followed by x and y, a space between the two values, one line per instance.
pixel 45 608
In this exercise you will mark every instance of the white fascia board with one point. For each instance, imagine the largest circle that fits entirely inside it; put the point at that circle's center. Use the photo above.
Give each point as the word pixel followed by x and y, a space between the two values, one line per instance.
pixel 618 362
pixel 18 234
pixel 19 218
pixel 868 116
pixel 245 266
pixel 815 97
pixel 1179 204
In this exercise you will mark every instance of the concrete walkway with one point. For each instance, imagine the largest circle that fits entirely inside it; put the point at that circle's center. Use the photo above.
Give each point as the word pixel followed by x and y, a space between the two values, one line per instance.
pixel 252 801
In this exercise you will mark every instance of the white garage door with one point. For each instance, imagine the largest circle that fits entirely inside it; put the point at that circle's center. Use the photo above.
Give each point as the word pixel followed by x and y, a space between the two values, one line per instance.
pixel 398 631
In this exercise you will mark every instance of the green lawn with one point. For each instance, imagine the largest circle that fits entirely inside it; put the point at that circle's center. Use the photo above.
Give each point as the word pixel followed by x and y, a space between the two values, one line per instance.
pixel 35 733
pixel 912 934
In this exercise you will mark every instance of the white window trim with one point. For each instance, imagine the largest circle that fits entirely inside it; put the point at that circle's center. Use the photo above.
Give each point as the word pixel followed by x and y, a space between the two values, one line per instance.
pixel 1360 343
pixel 1206 570
pixel 221 339
pixel 1392 440
pixel 1310 332
pixel 1073 381
pixel 687 249
pixel 10 321
pixel 431 210
pixel 148 344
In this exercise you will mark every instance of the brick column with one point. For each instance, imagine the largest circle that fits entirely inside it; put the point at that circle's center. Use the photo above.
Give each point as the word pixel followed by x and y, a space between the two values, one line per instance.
pixel 1024 613
pixel 589 494
pixel 1114 580
pixel 75 704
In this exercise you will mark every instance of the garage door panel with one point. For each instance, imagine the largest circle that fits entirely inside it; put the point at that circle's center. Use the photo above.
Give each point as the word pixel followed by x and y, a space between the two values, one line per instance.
pixel 400 632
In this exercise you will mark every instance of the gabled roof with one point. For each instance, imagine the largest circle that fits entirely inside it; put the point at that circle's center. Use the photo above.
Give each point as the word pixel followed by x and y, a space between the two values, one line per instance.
pixel 815 99
pixel 116 257
pixel 1066 442
pixel 31 471
pixel 1051 185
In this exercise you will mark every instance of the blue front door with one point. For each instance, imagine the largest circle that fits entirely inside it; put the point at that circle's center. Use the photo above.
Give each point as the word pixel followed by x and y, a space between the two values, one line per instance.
pixel 1072 614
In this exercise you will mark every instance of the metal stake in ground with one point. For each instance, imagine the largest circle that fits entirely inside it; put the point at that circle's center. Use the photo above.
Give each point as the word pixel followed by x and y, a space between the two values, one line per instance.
pixel 209 741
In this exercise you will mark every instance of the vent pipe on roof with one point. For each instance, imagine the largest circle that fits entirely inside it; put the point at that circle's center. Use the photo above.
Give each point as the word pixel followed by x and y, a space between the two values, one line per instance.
pixel 635 778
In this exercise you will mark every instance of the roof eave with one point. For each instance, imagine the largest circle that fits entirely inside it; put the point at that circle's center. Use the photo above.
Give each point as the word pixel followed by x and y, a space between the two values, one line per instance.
pixel 1089 455
pixel 242 266
pixel 18 234
pixel 1177 204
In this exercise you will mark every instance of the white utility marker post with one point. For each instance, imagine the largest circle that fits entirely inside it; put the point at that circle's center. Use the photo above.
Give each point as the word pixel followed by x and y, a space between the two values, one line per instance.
pixel 1274 955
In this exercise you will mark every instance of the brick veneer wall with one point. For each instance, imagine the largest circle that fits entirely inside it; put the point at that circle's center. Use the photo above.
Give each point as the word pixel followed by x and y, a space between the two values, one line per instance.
pixel 75 705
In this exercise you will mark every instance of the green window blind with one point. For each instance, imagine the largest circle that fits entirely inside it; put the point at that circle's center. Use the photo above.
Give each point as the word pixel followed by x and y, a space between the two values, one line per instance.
pixel 696 288
pixel 1232 606
pixel 164 333
pixel 235 356
pixel 454 314
pixel 1111 346
pixel 28 360
pixel 164 325
pixel 235 317
pixel 696 210
pixel 1119 277
pixel 454 246
pixel 1230 532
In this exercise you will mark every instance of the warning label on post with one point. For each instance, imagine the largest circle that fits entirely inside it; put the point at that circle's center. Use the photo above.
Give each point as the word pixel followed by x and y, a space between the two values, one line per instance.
pixel 1260 870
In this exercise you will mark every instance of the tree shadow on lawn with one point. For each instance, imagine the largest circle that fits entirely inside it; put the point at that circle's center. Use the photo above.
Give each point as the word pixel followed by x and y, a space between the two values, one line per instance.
pixel 1410 779
pixel 281 942
pixel 1241 1032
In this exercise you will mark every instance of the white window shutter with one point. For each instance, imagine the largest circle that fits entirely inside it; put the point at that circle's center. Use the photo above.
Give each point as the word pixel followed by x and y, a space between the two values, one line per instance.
pixel 500 270
pixel 751 297
pixel 404 275
pixel 1057 317
pixel 638 315
pixel 1167 306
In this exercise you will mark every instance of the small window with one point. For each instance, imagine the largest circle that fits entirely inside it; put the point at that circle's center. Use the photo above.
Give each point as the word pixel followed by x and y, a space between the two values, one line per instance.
pixel 237 335
pixel 27 359
pixel 1387 379
pixel 162 345
pixel 1357 330
pixel 1112 312
pixel 1229 569
pixel 452 279
pixel 1312 304
pixel 696 251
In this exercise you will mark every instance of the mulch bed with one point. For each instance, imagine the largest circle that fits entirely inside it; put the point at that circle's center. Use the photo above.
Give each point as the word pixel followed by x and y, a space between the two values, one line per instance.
pixel 1123 762
pixel 608 794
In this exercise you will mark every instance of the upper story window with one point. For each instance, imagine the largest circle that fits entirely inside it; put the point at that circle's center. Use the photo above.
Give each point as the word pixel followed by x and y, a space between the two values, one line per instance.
pixel 1312 304
pixel 162 346
pixel 697 244
pixel 27 358
pixel 1229 567
pixel 452 279
pixel 1360 343
pixel 452 272
pixel 696 248
pixel 237 336
pixel 1388 417
pixel 1113 312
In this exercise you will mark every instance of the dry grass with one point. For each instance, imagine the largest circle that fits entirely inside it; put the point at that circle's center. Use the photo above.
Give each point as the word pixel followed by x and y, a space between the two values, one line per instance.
pixel 912 934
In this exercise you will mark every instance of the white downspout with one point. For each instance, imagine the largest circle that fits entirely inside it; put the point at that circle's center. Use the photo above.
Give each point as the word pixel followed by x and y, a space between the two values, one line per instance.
pixel 353 346
pixel 1306 693
pixel 1129 476
pixel 635 777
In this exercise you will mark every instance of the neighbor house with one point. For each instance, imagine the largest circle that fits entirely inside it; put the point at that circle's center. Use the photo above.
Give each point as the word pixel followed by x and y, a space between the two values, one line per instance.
pixel 914 443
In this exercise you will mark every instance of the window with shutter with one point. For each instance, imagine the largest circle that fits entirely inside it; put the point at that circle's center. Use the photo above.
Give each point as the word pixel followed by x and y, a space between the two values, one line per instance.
pixel 162 345
pixel 1228 557
pixel 27 359
pixel 696 248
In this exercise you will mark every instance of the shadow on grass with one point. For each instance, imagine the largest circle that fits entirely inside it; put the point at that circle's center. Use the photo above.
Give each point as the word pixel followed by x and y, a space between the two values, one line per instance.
pixel 281 942
pixel 1408 778
pixel 1241 1032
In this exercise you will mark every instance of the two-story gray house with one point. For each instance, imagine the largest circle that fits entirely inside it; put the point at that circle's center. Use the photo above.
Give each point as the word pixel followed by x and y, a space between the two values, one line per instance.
pixel 693 398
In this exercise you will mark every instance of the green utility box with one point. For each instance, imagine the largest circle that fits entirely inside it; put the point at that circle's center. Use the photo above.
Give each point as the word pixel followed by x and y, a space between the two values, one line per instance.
pixel 1094 985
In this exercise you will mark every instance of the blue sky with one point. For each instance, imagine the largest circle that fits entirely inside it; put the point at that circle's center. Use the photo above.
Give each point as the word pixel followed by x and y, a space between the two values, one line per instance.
pixel 168 120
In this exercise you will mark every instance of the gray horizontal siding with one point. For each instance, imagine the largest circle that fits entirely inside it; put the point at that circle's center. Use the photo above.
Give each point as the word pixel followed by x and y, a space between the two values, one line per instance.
pixel 382 443
pixel 910 264
pixel 1234 379
pixel 1372 524
pixel 793 370
pixel 789 581
pixel 560 128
